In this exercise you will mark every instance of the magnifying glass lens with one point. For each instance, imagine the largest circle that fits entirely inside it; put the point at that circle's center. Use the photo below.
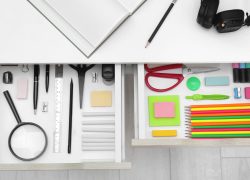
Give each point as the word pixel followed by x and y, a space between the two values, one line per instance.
pixel 28 141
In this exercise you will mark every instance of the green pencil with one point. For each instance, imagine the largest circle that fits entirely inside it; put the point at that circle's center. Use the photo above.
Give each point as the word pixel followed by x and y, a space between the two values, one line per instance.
pixel 223 126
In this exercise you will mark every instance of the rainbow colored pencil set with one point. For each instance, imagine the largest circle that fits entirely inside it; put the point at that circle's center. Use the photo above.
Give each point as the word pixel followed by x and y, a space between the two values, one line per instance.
pixel 218 121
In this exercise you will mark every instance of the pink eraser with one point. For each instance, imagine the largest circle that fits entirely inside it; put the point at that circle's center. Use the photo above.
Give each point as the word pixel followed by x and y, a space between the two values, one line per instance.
pixel 22 88
pixel 247 93
pixel 164 109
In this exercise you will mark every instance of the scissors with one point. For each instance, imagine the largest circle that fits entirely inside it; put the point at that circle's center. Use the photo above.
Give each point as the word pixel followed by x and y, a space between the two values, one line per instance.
pixel 81 70
pixel 157 72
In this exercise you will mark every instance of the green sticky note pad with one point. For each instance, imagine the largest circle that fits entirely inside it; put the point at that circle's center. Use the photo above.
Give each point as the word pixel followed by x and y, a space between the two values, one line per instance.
pixel 164 121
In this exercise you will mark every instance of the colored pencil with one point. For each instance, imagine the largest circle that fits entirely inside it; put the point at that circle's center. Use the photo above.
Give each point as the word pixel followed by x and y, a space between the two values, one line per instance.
pixel 220 117
pixel 220 129
pixel 222 111
pixel 222 126
pixel 220 135
pixel 220 114
pixel 220 105
pixel 220 123
pixel 220 120
pixel 220 108
pixel 223 132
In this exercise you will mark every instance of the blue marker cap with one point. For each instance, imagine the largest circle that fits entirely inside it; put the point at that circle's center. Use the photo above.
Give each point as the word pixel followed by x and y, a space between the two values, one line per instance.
pixel 242 65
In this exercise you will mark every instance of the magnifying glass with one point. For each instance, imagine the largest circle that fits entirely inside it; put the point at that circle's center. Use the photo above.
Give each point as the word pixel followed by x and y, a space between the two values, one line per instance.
pixel 27 141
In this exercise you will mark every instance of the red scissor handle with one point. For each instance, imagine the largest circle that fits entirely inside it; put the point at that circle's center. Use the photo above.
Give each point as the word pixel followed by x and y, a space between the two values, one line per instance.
pixel 162 68
pixel 153 72
pixel 178 77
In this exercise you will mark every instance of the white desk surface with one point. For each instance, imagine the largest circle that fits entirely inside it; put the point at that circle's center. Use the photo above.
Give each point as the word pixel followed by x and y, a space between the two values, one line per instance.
pixel 27 37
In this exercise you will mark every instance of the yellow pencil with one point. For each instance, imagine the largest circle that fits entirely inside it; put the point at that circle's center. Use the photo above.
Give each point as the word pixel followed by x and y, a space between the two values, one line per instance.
pixel 219 108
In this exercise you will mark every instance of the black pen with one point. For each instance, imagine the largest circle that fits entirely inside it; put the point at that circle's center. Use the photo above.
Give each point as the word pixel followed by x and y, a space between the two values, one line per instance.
pixel 36 86
pixel 160 23
pixel 47 78
pixel 70 116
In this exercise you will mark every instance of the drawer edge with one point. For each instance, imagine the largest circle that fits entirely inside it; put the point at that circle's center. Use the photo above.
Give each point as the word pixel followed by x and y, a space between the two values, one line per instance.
pixel 66 166
pixel 191 142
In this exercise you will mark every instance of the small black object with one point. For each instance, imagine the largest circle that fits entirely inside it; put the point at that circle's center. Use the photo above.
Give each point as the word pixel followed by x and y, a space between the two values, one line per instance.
pixel 243 75
pixel 248 75
pixel 36 86
pixel 247 21
pixel 229 21
pixel 225 21
pixel 7 77
pixel 207 12
pixel 108 72
pixel 47 77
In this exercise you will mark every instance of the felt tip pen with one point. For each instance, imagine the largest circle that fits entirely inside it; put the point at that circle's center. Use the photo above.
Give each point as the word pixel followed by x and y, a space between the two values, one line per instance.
pixel 36 87
pixel 248 72
pixel 243 73
pixel 47 77
pixel 236 72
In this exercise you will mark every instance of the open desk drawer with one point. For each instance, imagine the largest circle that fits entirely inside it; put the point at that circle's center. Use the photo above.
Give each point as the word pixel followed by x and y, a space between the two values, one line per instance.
pixel 143 136
pixel 83 155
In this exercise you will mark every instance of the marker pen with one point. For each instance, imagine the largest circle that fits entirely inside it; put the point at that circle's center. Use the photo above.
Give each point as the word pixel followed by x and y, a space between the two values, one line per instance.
pixel 248 72
pixel 236 72
pixel 243 73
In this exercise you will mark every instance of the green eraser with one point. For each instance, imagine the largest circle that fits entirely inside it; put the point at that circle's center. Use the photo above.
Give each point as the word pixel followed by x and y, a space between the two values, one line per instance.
pixel 217 81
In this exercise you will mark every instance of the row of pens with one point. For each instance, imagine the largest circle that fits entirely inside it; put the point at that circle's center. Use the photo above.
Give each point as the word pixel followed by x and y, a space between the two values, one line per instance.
pixel 218 121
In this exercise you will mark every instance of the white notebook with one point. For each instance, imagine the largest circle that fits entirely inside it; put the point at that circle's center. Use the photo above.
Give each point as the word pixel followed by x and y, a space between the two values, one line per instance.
pixel 86 23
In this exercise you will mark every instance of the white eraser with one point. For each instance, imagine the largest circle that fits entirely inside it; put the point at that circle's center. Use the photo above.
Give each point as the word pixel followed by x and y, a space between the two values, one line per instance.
pixel 22 88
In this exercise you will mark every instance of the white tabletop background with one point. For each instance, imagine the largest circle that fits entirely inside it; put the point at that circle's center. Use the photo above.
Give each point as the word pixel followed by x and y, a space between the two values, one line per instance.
pixel 27 37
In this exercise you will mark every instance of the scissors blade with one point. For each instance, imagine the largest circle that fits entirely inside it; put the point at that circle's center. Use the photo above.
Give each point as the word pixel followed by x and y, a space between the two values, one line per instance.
pixel 198 70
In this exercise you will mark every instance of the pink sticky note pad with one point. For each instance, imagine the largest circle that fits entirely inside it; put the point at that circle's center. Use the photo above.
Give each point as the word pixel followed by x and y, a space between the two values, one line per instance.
pixel 164 110
pixel 247 92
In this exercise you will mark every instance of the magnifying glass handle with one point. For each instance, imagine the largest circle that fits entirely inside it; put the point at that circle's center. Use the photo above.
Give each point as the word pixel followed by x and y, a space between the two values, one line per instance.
pixel 12 106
